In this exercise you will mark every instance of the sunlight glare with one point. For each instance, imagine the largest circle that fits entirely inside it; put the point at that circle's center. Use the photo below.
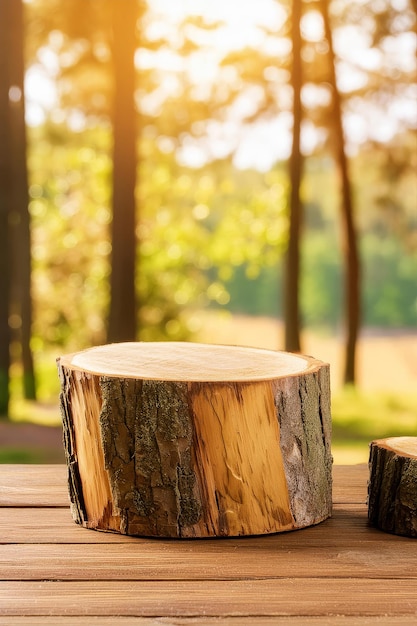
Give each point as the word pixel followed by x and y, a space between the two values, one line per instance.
pixel 312 26
pixel 241 19
pixel 241 13
pixel 264 143
pixel 40 93
pixel 191 154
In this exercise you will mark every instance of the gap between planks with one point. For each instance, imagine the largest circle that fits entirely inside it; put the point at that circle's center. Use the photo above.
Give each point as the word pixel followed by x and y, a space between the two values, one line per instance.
pixel 340 546
pixel 251 620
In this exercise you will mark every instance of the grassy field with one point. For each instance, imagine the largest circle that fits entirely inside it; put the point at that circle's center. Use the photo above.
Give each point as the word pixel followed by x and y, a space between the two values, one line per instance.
pixel 384 403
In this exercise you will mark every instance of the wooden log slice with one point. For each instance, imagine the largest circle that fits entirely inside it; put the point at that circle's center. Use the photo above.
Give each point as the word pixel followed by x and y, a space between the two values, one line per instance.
pixel 392 486
pixel 195 440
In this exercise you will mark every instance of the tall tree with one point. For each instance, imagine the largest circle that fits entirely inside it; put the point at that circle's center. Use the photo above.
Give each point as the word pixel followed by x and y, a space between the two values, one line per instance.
pixel 246 73
pixel 97 50
pixel 94 45
pixel 5 192
pixel 350 243
pixel 15 263
pixel 21 299
pixel 123 308
pixel 292 267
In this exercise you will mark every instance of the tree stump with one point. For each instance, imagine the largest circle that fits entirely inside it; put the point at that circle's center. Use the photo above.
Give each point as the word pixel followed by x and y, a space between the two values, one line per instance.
pixel 194 440
pixel 392 487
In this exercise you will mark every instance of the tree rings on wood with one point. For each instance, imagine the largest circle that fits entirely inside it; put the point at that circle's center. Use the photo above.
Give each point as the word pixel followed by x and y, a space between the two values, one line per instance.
pixel 172 439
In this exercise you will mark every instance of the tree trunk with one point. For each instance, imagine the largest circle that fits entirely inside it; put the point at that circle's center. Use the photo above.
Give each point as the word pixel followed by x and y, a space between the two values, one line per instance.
pixel 5 192
pixel 123 309
pixel 292 265
pixel 392 488
pixel 352 262
pixel 21 272
pixel 193 440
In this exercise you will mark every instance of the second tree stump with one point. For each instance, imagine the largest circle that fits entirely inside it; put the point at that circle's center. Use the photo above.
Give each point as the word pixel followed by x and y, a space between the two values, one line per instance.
pixel 392 488
pixel 195 440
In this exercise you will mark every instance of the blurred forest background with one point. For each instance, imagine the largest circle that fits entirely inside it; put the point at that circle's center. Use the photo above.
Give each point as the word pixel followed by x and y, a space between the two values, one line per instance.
pixel 233 172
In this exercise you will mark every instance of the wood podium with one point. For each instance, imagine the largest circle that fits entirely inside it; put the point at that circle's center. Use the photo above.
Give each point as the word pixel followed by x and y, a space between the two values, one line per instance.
pixel 176 439
pixel 392 487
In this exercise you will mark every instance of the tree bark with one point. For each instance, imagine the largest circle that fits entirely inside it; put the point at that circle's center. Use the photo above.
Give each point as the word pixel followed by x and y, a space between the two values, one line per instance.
pixel 392 488
pixel 292 265
pixel 350 245
pixel 123 307
pixel 193 440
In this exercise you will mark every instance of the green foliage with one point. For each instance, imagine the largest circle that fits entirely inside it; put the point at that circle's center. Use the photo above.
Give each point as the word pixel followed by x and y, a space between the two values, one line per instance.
pixel 389 296
pixel 197 227
pixel 386 190
pixel 321 280
pixel 45 411
pixel 69 189
pixel 30 455
pixel 21 455
pixel 389 293
pixel 212 236
pixel 373 415
pixel 256 296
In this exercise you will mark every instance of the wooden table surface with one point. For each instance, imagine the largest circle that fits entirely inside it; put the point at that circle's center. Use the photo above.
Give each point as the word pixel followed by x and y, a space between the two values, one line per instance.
pixel 341 572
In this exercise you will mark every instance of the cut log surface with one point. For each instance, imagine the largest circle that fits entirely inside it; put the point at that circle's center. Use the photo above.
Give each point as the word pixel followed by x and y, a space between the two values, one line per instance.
pixel 392 487
pixel 194 440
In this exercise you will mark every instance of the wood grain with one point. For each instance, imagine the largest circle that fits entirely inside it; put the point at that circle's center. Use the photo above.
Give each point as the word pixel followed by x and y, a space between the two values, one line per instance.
pixel 350 484
pixel 213 598
pixel 339 573
pixel 33 485
pixel 274 559
pixel 187 361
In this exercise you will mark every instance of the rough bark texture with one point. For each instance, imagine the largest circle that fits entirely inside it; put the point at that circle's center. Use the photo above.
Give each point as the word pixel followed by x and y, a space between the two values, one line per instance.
pixel 392 488
pixel 195 458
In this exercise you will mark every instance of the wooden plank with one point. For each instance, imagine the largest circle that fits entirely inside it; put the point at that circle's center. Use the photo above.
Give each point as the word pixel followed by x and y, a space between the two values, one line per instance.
pixel 350 484
pixel 49 525
pixel 256 620
pixel 46 485
pixel 314 597
pixel 55 525
pixel 265 557
pixel 33 485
